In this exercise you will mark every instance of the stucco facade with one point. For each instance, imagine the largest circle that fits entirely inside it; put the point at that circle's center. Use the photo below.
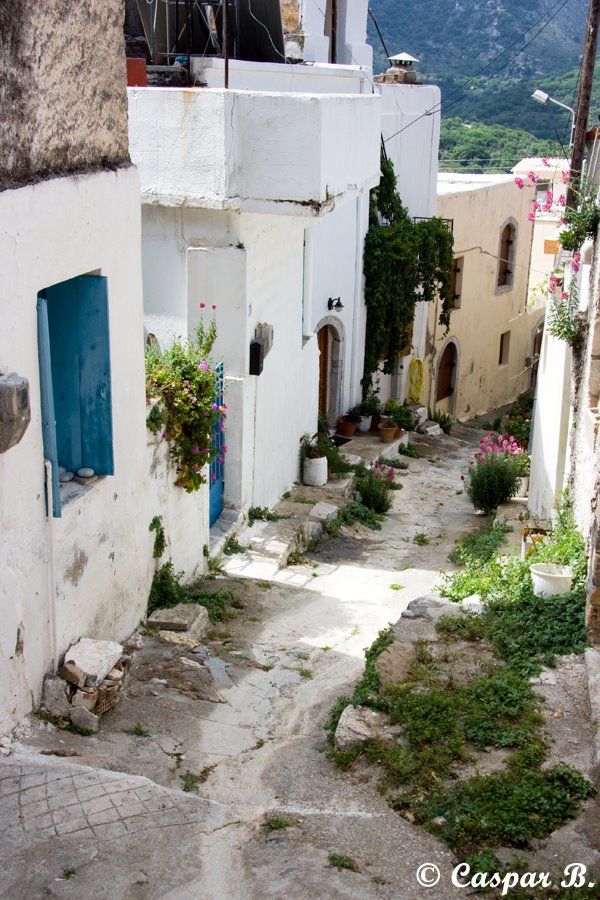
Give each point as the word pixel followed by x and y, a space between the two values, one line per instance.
pixel 62 89
pixel 483 362
pixel 86 570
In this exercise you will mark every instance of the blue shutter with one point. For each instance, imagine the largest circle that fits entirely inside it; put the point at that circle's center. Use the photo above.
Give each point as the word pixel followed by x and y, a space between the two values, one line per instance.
pixel 94 376
pixel 47 399
pixel 63 302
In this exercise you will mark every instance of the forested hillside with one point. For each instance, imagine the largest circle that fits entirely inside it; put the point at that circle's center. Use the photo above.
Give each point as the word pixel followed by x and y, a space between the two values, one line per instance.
pixel 488 56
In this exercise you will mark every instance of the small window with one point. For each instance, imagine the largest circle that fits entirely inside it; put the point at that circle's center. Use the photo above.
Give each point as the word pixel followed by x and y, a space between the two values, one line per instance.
pixel 504 348
pixel 456 281
pixel 74 358
pixel 541 191
pixel 506 256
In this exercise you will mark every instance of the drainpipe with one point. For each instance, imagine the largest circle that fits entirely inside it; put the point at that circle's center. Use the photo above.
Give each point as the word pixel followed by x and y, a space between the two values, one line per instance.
pixel 51 566
pixel 358 296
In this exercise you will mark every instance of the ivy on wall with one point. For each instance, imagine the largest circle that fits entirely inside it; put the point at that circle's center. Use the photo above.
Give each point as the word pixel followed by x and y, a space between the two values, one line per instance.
pixel 404 262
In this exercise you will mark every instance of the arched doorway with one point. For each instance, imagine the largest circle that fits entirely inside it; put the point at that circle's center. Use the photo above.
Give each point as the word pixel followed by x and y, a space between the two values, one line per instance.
pixel 331 364
pixel 446 373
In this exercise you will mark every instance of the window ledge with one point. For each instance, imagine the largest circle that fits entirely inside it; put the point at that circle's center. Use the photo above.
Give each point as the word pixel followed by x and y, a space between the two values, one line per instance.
pixel 72 491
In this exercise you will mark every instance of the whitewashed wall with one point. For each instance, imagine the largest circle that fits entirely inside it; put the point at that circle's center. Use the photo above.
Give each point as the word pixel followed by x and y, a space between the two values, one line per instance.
pixel 321 78
pixel 95 577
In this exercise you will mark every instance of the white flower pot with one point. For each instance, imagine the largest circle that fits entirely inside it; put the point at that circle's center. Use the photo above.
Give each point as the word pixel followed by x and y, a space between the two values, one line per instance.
pixel 549 579
pixel 315 472
pixel 523 489
pixel 365 423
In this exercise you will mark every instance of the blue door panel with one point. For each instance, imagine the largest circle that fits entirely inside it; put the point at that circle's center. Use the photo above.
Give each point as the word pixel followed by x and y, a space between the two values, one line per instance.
pixel 216 466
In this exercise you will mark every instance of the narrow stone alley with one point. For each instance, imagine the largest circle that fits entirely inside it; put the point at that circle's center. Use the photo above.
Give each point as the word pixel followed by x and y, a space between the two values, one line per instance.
pixel 208 743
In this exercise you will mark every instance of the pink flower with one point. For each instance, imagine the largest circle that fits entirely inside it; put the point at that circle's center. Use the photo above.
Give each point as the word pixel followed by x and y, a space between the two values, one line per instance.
pixel 565 176
pixel 536 205
pixel 213 476
pixel 194 399
pixel 214 306
pixel 196 469
pixel 532 177
pixel 224 448
pixel 203 367
pixel 221 426
pixel 202 305
pixel 561 200
pixel 531 217
pixel 545 160
pixel 196 450
pixel 206 451
pixel 164 435
pixel 215 406
pixel 549 196
pixel 564 296
pixel 220 459
pixel 519 183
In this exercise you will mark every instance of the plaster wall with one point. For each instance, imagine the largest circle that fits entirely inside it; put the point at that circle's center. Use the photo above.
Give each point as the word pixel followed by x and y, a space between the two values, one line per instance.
pixel 62 88
pixel 479 210
pixel 410 127
pixel 318 78
pixel 91 565
pixel 247 150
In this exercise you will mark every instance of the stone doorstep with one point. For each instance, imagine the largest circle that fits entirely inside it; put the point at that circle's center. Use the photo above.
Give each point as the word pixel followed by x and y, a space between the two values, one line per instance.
pixel 188 619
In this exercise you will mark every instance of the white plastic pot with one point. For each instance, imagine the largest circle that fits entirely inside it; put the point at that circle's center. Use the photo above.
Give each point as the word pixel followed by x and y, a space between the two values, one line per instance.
pixel 365 423
pixel 549 579
pixel 315 471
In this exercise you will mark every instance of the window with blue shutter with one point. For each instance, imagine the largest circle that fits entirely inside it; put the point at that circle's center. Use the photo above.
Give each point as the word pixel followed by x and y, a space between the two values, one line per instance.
pixel 74 354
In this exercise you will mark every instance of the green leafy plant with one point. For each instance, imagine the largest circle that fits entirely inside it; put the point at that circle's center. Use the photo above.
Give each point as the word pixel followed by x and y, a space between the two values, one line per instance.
pixel 408 450
pixel 160 541
pixel 480 546
pixel 233 546
pixel 373 489
pixel 139 731
pixel 442 419
pixel 190 781
pixel 276 823
pixel 400 414
pixel 262 514
pixel 404 262
pixel 393 462
pixel 183 383
pixel 336 861
pixel 421 539
pixel 371 404
pixel 167 591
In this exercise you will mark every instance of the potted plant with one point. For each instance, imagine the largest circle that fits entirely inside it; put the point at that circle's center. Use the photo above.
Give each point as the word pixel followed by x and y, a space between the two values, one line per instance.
pixel 369 407
pixel 402 416
pixel 387 429
pixel 313 461
pixel 347 424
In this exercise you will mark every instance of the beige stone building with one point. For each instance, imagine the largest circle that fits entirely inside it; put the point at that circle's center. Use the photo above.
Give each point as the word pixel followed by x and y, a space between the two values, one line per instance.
pixel 488 356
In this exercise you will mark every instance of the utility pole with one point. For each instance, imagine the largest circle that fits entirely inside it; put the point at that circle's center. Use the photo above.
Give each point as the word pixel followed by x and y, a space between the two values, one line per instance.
pixel 583 100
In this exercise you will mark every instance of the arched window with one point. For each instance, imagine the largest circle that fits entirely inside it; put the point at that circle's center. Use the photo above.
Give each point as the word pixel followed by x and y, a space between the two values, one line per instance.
pixel 506 255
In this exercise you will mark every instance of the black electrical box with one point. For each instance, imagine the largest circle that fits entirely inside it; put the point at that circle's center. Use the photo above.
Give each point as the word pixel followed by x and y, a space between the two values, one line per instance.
pixel 257 356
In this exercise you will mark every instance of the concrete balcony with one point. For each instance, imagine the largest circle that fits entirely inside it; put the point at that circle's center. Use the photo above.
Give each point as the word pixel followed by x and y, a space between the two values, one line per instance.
pixel 277 153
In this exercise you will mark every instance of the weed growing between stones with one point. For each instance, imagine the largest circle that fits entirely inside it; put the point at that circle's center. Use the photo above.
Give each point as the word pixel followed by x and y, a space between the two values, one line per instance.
pixel 448 715
pixel 168 591
pixel 276 823
pixel 233 546
pixel 421 539
pixel 480 546
pixel 263 514
pixel 408 450
pixel 336 861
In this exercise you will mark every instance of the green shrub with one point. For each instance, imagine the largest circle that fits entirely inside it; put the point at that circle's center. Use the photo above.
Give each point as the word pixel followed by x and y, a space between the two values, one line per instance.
pixel 495 473
pixel 442 419
pixel 374 491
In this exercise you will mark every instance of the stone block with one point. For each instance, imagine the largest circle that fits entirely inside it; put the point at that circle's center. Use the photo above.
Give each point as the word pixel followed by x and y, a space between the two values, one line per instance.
pixel 73 674
pixel 394 663
pixel 86 699
pixel 95 658
pixel 357 723
pixel 55 697
pixel 190 618
pixel 323 512
pixel 84 719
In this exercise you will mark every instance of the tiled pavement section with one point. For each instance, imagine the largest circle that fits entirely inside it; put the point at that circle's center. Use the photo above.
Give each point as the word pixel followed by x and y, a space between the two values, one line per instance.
pixel 69 813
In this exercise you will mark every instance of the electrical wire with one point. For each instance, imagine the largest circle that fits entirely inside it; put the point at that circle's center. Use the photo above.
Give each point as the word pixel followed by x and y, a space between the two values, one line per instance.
pixel 437 107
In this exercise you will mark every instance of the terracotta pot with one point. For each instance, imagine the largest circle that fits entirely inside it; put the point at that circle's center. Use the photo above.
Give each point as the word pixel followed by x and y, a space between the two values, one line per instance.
pixel 387 433
pixel 345 427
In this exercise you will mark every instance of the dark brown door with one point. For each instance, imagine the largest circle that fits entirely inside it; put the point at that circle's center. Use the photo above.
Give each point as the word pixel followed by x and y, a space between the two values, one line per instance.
pixel 323 342
pixel 445 379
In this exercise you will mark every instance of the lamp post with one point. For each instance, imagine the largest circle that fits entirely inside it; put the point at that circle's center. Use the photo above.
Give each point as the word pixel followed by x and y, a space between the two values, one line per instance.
pixel 542 97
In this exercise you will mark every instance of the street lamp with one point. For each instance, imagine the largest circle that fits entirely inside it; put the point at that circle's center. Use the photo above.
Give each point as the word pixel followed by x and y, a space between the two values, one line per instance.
pixel 544 98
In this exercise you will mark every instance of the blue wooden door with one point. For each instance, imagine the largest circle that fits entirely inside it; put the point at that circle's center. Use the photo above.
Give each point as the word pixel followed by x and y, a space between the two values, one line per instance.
pixel 216 466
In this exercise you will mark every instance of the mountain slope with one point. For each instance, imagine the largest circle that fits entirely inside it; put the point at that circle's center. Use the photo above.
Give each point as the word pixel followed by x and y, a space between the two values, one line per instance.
pixel 475 50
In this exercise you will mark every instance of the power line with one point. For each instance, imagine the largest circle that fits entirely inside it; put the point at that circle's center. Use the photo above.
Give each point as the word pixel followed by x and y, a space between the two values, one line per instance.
pixel 436 108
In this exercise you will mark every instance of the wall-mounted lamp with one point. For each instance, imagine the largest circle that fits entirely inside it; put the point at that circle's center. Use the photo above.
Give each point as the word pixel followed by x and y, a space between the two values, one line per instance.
pixel 334 303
